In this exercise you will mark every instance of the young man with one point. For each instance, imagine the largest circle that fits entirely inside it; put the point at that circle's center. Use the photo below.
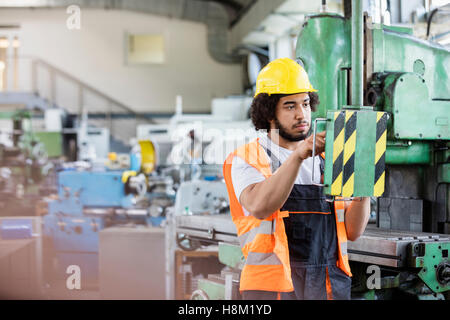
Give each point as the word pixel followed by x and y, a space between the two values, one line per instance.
pixel 294 241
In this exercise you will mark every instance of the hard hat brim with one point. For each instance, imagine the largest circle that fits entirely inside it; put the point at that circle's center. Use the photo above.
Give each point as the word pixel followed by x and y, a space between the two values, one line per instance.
pixel 289 93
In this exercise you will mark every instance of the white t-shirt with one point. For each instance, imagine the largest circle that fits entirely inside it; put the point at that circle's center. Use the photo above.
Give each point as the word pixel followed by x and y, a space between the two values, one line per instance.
pixel 243 174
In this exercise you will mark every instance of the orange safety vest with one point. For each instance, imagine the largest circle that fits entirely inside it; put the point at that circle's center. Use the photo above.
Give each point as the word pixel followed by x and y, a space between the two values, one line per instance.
pixel 264 242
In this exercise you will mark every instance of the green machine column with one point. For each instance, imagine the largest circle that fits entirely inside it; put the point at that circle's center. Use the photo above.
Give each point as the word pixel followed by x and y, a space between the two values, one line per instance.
pixel 357 54
pixel 323 47
pixel 331 49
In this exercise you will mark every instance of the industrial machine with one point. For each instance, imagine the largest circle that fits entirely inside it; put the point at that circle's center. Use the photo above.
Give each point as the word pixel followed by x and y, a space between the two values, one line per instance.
pixel 200 219
pixel 385 101
pixel 92 198
pixel 193 146
pixel 24 165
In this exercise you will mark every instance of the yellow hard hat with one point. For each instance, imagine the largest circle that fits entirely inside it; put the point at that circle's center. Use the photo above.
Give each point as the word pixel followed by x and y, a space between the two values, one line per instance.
pixel 283 76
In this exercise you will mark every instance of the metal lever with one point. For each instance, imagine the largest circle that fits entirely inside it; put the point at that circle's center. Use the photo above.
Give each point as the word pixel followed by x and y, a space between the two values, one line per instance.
pixel 314 150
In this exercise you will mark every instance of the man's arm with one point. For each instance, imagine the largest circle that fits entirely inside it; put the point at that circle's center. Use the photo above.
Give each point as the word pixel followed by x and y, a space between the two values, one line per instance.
pixel 264 198
pixel 357 215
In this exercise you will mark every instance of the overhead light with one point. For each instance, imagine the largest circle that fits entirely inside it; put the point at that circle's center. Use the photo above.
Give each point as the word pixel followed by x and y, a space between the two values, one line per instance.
pixel 4 43
pixel 16 43
pixel 19 3
pixel 439 3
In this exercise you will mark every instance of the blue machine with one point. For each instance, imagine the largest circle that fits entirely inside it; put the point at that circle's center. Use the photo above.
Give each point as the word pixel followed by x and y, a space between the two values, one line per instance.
pixel 92 188
pixel 89 201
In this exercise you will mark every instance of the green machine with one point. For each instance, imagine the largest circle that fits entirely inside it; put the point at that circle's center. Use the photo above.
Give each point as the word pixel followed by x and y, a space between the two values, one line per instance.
pixel 24 166
pixel 385 104
pixel 212 229
pixel 223 286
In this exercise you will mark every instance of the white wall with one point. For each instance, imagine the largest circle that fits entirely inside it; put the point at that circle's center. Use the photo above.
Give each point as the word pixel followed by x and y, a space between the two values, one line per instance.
pixel 96 55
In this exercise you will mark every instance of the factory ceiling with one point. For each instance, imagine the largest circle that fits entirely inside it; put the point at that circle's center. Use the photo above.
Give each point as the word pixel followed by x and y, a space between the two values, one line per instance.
pixel 232 25
pixel 218 15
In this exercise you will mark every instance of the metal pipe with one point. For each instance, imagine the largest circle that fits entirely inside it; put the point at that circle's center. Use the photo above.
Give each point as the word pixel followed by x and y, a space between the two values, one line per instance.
pixel 357 54
pixel 416 153
pixel 98 211
pixel 323 8
pixel 132 212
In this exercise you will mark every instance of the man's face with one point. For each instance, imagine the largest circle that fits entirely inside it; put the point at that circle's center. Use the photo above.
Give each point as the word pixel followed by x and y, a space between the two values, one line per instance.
pixel 293 117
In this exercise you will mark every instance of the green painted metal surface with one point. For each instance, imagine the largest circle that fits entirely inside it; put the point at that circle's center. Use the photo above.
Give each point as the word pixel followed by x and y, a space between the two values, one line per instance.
pixel 323 46
pixel 369 295
pixel 52 142
pixel 365 153
pixel 418 105
pixel 412 81
pixel 415 153
pixel 444 173
pixel 18 114
pixel 396 28
pixel 430 257
pixel 362 148
pixel 415 115
pixel 214 290
pixel 357 54
pixel 398 52
pixel 231 255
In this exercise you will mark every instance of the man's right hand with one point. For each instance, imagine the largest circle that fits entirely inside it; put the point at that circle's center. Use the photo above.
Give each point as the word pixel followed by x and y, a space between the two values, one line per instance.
pixel 304 149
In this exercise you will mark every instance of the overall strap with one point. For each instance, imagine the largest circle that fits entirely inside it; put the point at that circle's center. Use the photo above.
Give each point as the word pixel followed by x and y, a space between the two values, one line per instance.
pixel 322 165
pixel 275 163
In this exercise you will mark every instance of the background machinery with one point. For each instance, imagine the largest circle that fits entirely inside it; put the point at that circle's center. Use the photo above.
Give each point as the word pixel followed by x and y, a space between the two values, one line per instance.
pixel 92 198
pixel 385 101
pixel 26 173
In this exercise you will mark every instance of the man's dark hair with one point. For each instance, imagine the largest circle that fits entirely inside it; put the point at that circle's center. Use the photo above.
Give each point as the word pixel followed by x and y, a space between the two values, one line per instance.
pixel 264 106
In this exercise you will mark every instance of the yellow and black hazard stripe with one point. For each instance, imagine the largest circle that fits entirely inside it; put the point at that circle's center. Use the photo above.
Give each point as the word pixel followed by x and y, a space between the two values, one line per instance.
pixel 338 152
pixel 380 152
pixel 348 179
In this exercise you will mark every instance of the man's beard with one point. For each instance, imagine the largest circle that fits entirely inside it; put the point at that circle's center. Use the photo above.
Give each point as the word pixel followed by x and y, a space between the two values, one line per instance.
pixel 286 135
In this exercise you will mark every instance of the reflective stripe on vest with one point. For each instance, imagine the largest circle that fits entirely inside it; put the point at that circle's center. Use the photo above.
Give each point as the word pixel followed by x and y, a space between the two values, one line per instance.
pixel 266 227
pixel 258 258
pixel 340 213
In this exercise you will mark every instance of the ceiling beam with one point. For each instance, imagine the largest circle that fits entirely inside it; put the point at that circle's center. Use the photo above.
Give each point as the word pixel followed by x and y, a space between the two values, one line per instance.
pixel 250 21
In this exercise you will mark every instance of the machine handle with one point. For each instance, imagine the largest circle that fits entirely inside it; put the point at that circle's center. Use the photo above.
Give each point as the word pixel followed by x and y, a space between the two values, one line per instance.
pixel 314 150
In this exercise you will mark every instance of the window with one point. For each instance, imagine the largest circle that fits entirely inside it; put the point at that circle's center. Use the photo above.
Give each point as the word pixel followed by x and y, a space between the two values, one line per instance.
pixel 439 3
pixel 145 49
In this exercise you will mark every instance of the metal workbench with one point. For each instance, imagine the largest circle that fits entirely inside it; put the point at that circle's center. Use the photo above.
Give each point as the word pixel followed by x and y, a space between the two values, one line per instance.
pixel 375 246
